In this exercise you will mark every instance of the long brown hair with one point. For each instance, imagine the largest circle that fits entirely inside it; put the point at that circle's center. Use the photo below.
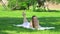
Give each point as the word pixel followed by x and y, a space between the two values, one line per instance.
pixel 33 21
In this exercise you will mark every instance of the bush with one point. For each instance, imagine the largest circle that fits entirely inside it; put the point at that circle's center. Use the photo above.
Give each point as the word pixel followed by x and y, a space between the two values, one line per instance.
pixel 19 4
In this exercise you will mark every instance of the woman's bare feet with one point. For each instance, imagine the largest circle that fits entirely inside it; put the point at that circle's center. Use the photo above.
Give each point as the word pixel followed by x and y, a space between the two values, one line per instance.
pixel 23 14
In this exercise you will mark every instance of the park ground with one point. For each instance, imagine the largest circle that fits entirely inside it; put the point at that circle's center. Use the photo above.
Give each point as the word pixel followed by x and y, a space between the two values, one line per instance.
pixel 47 19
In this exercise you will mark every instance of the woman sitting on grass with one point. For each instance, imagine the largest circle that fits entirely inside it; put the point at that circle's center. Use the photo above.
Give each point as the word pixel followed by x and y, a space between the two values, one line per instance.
pixel 33 24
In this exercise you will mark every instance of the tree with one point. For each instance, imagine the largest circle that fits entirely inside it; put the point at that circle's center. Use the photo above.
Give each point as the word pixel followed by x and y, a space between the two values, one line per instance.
pixel 42 3
pixel 4 3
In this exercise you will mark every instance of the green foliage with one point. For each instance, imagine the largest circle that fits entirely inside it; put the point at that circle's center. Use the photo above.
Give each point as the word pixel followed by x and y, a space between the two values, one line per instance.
pixel 20 3
pixel 11 3
pixel 58 1
pixel 14 3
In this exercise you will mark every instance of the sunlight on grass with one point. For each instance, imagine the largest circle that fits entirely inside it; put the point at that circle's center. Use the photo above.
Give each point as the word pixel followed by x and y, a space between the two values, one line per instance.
pixel 10 32
pixel 37 32
pixel 29 14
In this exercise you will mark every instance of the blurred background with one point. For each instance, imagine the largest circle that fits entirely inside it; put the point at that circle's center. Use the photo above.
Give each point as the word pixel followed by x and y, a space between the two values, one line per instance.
pixel 47 11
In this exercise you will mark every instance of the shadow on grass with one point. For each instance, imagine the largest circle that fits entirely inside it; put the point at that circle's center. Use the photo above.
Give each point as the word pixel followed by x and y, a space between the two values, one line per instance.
pixel 6 23
pixel 50 22
pixel 3 32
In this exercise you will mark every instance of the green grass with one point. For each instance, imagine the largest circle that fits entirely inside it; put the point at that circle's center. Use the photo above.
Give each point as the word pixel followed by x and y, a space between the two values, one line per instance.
pixel 8 18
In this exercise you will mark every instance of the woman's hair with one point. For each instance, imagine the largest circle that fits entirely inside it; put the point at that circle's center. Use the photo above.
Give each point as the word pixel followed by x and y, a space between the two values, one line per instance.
pixel 33 21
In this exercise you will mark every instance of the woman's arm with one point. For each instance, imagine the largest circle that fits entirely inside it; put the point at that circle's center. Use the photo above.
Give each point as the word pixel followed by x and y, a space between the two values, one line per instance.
pixel 31 24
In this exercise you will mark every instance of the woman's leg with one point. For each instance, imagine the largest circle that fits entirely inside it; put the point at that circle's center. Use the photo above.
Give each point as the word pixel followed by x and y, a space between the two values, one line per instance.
pixel 24 17
pixel 24 21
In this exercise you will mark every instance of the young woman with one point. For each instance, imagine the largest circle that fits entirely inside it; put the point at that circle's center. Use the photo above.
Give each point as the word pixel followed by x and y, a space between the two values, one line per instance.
pixel 33 24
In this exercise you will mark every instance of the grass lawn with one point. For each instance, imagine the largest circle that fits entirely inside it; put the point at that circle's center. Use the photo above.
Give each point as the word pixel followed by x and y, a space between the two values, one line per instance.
pixel 8 18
